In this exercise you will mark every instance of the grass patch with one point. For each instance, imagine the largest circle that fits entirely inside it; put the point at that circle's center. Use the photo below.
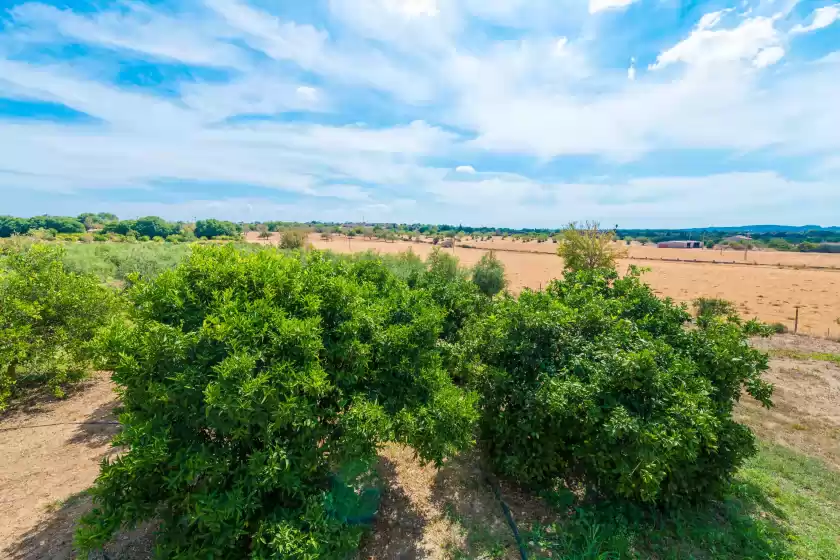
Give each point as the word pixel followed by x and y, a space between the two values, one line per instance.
pixel 803 355
pixel 781 505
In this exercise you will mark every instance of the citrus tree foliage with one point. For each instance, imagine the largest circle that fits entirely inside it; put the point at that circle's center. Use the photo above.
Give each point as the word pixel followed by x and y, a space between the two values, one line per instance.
pixel 252 383
pixel 587 247
pixel 451 289
pixel 489 274
pixel 48 317
pixel 597 379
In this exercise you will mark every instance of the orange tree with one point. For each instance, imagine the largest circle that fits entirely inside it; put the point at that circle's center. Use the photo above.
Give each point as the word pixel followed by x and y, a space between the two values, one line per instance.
pixel 253 386
pixel 597 380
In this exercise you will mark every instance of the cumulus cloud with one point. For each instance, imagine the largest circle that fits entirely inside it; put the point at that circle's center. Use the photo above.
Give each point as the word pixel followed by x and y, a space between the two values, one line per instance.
pixel 465 169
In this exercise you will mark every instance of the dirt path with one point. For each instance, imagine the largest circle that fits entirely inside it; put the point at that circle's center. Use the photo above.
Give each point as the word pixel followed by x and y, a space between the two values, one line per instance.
pixel 47 460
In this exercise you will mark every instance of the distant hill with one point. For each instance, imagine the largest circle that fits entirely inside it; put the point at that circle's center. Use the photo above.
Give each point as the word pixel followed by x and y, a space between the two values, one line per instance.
pixel 767 228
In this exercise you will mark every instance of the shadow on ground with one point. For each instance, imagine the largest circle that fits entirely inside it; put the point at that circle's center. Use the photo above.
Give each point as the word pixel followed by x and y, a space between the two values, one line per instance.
pixel 397 531
pixel 98 428
pixel 746 525
pixel 32 399
pixel 53 538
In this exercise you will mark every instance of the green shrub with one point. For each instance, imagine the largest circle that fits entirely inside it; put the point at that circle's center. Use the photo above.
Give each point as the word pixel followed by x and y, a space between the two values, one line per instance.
pixel 597 380
pixel 48 317
pixel 706 309
pixel 215 228
pixel 451 289
pixel 587 247
pixel 256 387
pixel 779 328
pixel 489 274
pixel 293 239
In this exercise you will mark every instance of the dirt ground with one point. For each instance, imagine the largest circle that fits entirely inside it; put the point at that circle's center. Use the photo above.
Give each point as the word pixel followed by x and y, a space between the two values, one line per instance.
pixel 769 293
pixel 48 460
pixel 637 251
pixel 806 399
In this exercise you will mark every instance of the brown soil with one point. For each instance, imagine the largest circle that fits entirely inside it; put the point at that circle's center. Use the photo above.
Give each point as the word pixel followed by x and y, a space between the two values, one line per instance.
pixel 446 513
pixel 806 399
pixel 769 293
pixel 48 458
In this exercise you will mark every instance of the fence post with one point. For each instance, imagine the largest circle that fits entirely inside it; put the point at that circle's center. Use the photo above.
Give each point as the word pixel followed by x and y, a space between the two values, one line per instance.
pixel 796 323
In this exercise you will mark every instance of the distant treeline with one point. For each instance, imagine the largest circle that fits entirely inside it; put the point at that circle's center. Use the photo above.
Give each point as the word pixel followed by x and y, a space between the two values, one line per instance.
pixel 105 225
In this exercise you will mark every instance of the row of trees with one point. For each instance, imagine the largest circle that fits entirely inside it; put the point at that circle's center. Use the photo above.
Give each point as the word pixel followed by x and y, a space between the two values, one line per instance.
pixel 148 227
pixel 257 385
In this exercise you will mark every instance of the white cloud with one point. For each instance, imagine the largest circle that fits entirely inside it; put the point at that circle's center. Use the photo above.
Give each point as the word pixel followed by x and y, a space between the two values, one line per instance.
pixel 706 45
pixel 313 51
pixel 631 71
pixel 415 7
pixel 465 169
pixel 308 93
pixel 602 5
pixel 823 17
pixel 769 56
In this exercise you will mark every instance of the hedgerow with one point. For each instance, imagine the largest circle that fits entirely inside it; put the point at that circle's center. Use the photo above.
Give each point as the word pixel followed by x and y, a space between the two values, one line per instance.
pixel 256 388
pixel 597 380
pixel 49 316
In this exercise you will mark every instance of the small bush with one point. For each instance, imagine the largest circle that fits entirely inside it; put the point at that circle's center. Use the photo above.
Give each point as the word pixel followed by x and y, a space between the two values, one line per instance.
pixel 293 239
pixel 706 309
pixel 256 388
pixel 48 317
pixel 597 380
pixel 588 248
pixel 489 274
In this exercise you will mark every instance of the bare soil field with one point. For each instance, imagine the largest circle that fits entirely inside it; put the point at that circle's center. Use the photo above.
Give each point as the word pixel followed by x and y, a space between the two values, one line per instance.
pixel 637 251
pixel 769 293
pixel 48 460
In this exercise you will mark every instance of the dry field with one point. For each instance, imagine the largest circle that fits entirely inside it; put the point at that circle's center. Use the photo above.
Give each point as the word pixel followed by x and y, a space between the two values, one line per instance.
pixel 637 251
pixel 48 459
pixel 767 292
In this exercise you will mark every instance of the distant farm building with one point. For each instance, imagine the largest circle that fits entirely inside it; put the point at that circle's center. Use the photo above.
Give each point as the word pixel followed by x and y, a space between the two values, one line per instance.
pixel 680 245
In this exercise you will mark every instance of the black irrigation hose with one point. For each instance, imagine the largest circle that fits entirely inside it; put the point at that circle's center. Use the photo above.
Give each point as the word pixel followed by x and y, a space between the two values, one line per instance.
pixel 506 510
pixel 57 424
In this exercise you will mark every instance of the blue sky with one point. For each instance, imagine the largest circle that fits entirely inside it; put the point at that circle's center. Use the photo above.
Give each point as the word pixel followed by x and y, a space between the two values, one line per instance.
pixel 645 113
